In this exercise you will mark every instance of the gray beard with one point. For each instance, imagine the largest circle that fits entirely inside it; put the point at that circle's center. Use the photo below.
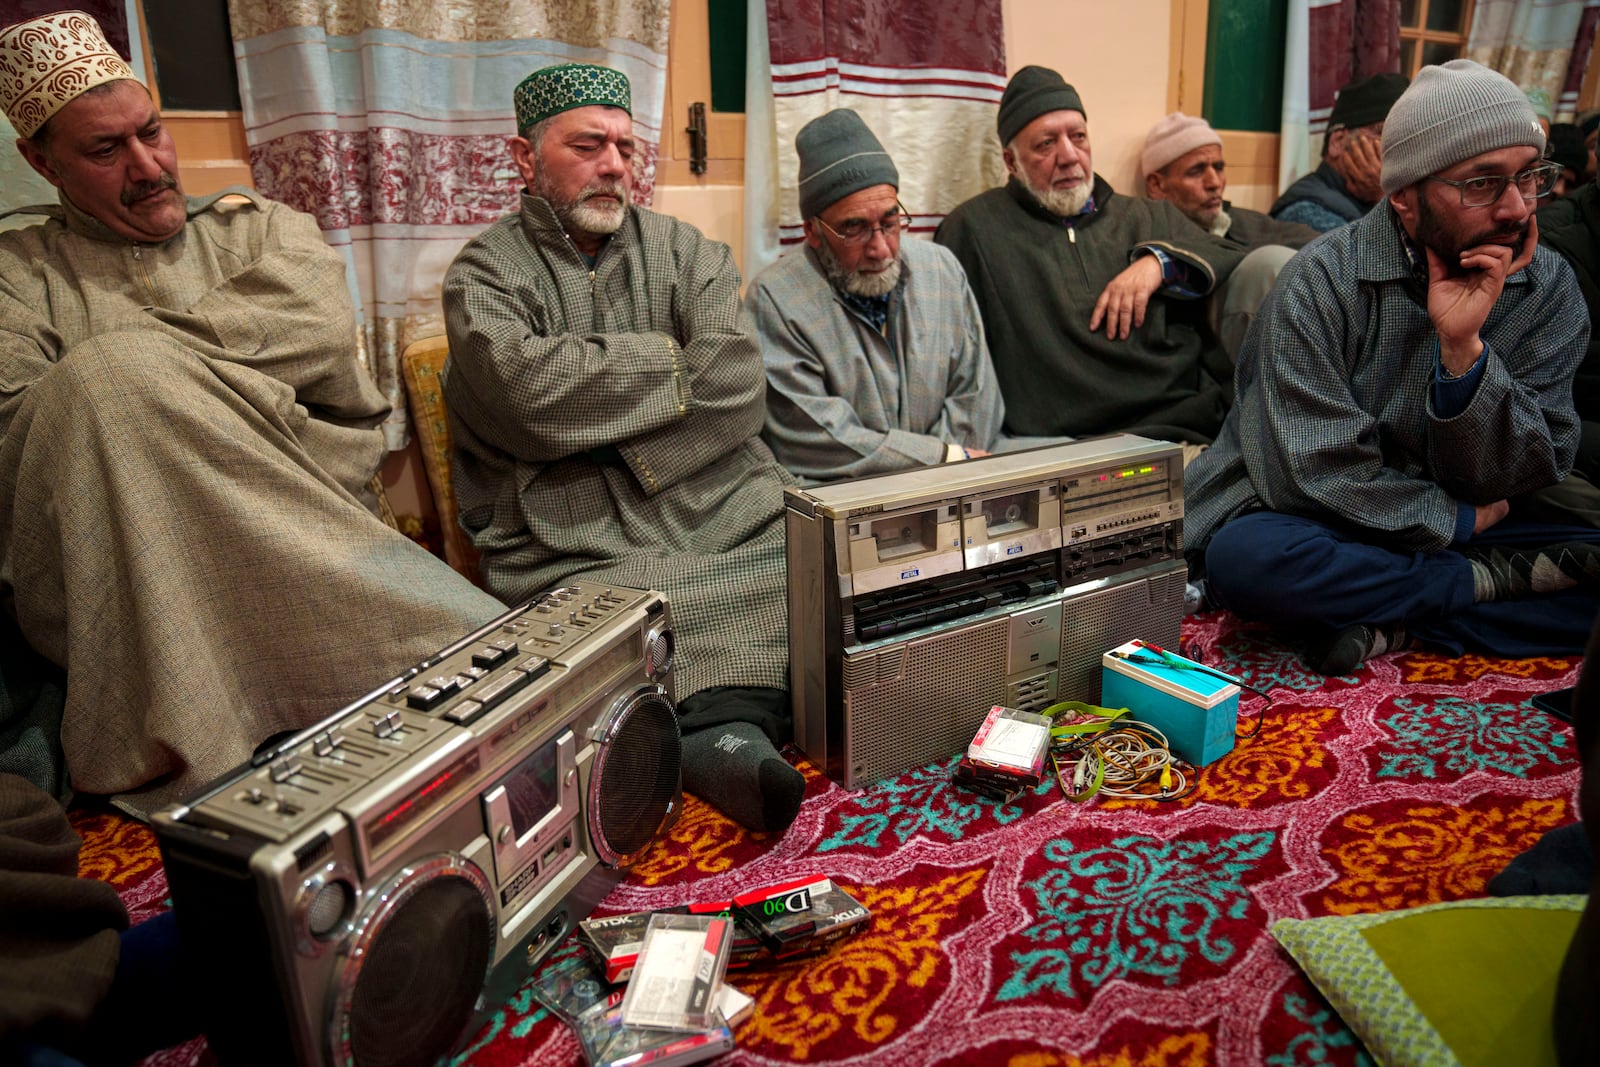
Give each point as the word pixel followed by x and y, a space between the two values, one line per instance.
pixel 580 214
pixel 1063 202
pixel 855 282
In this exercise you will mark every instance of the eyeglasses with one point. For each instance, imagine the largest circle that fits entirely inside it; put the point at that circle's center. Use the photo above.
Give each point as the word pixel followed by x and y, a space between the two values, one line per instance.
pixel 860 232
pixel 1537 181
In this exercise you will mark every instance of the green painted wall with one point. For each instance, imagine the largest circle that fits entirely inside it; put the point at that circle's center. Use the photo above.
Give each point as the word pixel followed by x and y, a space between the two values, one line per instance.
pixel 728 22
pixel 1244 64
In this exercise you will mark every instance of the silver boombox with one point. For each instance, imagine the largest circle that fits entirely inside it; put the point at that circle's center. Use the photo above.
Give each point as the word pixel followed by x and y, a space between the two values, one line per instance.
pixel 918 600
pixel 362 892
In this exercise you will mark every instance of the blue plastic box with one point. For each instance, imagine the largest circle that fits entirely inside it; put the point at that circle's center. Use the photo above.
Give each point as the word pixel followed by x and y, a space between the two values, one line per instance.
pixel 1198 712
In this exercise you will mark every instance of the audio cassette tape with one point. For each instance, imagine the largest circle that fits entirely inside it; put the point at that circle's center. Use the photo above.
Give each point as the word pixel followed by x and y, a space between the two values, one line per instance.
pixel 1011 524
pixel 907 545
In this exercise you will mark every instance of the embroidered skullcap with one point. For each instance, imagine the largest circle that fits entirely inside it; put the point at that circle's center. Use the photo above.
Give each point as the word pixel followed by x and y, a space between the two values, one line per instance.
pixel 1173 138
pixel 839 156
pixel 1031 92
pixel 48 62
pixel 1452 113
pixel 552 90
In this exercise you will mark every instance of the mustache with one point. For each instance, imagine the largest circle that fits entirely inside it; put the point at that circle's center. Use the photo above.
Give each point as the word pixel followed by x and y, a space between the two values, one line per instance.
pixel 144 189
pixel 616 189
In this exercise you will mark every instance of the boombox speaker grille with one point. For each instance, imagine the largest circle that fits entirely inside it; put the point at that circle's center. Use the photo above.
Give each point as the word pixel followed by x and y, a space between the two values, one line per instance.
pixel 922 700
pixel 416 969
pixel 636 785
pixel 1096 622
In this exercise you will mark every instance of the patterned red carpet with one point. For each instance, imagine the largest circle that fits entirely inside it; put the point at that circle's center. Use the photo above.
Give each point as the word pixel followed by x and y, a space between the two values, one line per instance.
pixel 1111 934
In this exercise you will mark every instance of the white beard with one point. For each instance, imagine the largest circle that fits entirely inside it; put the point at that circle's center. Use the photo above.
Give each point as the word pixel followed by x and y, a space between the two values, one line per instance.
pixel 596 217
pixel 859 282
pixel 1063 202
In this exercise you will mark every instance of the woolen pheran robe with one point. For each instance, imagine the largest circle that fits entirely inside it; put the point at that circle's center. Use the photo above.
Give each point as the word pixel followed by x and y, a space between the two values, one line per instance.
pixel 187 435
pixel 606 426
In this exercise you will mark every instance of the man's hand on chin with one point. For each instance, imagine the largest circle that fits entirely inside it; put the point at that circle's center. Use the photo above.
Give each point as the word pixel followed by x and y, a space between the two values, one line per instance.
pixel 1459 299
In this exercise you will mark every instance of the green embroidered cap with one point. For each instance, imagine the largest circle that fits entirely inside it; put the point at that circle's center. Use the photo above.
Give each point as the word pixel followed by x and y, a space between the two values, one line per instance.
pixel 552 90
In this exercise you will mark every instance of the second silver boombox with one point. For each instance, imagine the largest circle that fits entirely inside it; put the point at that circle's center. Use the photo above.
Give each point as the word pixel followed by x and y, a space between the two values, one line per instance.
pixel 363 892
pixel 919 600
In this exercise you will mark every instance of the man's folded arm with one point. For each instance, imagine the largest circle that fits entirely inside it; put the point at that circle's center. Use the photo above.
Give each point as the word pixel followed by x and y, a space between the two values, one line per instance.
pixel 722 373
pixel 28 346
pixel 287 314
pixel 542 396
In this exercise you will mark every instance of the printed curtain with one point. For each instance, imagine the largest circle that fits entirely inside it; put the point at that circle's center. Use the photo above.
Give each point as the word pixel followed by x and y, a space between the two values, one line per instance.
pixel 1330 43
pixel 1543 45
pixel 927 79
pixel 388 121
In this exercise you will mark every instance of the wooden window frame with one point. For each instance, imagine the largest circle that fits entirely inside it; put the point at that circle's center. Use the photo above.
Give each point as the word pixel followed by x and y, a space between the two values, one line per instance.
pixel 1422 36
pixel 212 151
pixel 689 81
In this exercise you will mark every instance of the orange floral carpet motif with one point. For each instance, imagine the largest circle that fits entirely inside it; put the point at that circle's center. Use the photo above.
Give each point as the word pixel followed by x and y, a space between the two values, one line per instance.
pixel 1046 933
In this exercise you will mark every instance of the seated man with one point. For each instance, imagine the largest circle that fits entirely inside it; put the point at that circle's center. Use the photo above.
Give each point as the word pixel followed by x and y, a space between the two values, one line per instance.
pixel 1567 148
pixel 186 447
pixel 1346 185
pixel 1048 257
pixel 606 408
pixel 1408 377
pixel 1571 226
pixel 874 351
pixel 1182 162
pixel 1589 125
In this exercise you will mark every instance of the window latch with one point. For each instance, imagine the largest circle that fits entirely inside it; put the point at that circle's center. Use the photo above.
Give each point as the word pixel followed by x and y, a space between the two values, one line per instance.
pixel 697 138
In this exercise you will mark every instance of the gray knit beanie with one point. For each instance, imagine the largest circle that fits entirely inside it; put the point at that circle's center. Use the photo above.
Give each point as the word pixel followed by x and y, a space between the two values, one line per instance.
pixel 839 156
pixel 1031 92
pixel 1450 114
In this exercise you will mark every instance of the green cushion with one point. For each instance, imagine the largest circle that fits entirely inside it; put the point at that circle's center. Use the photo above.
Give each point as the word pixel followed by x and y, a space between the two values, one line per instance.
pixel 1466 982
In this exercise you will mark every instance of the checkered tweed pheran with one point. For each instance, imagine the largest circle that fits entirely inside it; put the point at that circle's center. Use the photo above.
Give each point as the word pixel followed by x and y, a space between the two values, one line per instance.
pixel 606 426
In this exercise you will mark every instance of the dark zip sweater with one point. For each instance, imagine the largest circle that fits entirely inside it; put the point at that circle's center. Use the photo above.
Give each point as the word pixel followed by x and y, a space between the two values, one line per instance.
pixel 1037 277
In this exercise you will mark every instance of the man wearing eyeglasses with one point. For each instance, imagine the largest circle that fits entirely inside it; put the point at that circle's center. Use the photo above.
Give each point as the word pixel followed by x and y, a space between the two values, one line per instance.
pixel 1406 383
pixel 874 352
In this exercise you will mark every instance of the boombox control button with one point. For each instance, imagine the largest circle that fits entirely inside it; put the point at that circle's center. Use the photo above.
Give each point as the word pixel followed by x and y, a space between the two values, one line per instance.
pixel 323 744
pixel 387 725
pixel 464 712
pixel 494 654
pixel 283 770
pixel 423 698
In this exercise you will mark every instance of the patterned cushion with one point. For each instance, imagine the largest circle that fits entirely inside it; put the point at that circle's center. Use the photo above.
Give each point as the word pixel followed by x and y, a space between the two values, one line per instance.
pixel 1464 982
pixel 420 366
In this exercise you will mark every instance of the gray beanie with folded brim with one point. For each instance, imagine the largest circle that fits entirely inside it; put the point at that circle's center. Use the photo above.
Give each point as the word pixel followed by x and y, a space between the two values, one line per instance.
pixel 1449 114
pixel 839 156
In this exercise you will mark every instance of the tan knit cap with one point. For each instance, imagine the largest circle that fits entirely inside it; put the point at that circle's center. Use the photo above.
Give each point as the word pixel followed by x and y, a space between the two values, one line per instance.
pixel 48 62
pixel 1173 138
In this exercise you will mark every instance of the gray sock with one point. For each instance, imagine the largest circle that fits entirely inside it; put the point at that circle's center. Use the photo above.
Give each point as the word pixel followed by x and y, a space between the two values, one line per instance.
pixel 735 768
pixel 1511 573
